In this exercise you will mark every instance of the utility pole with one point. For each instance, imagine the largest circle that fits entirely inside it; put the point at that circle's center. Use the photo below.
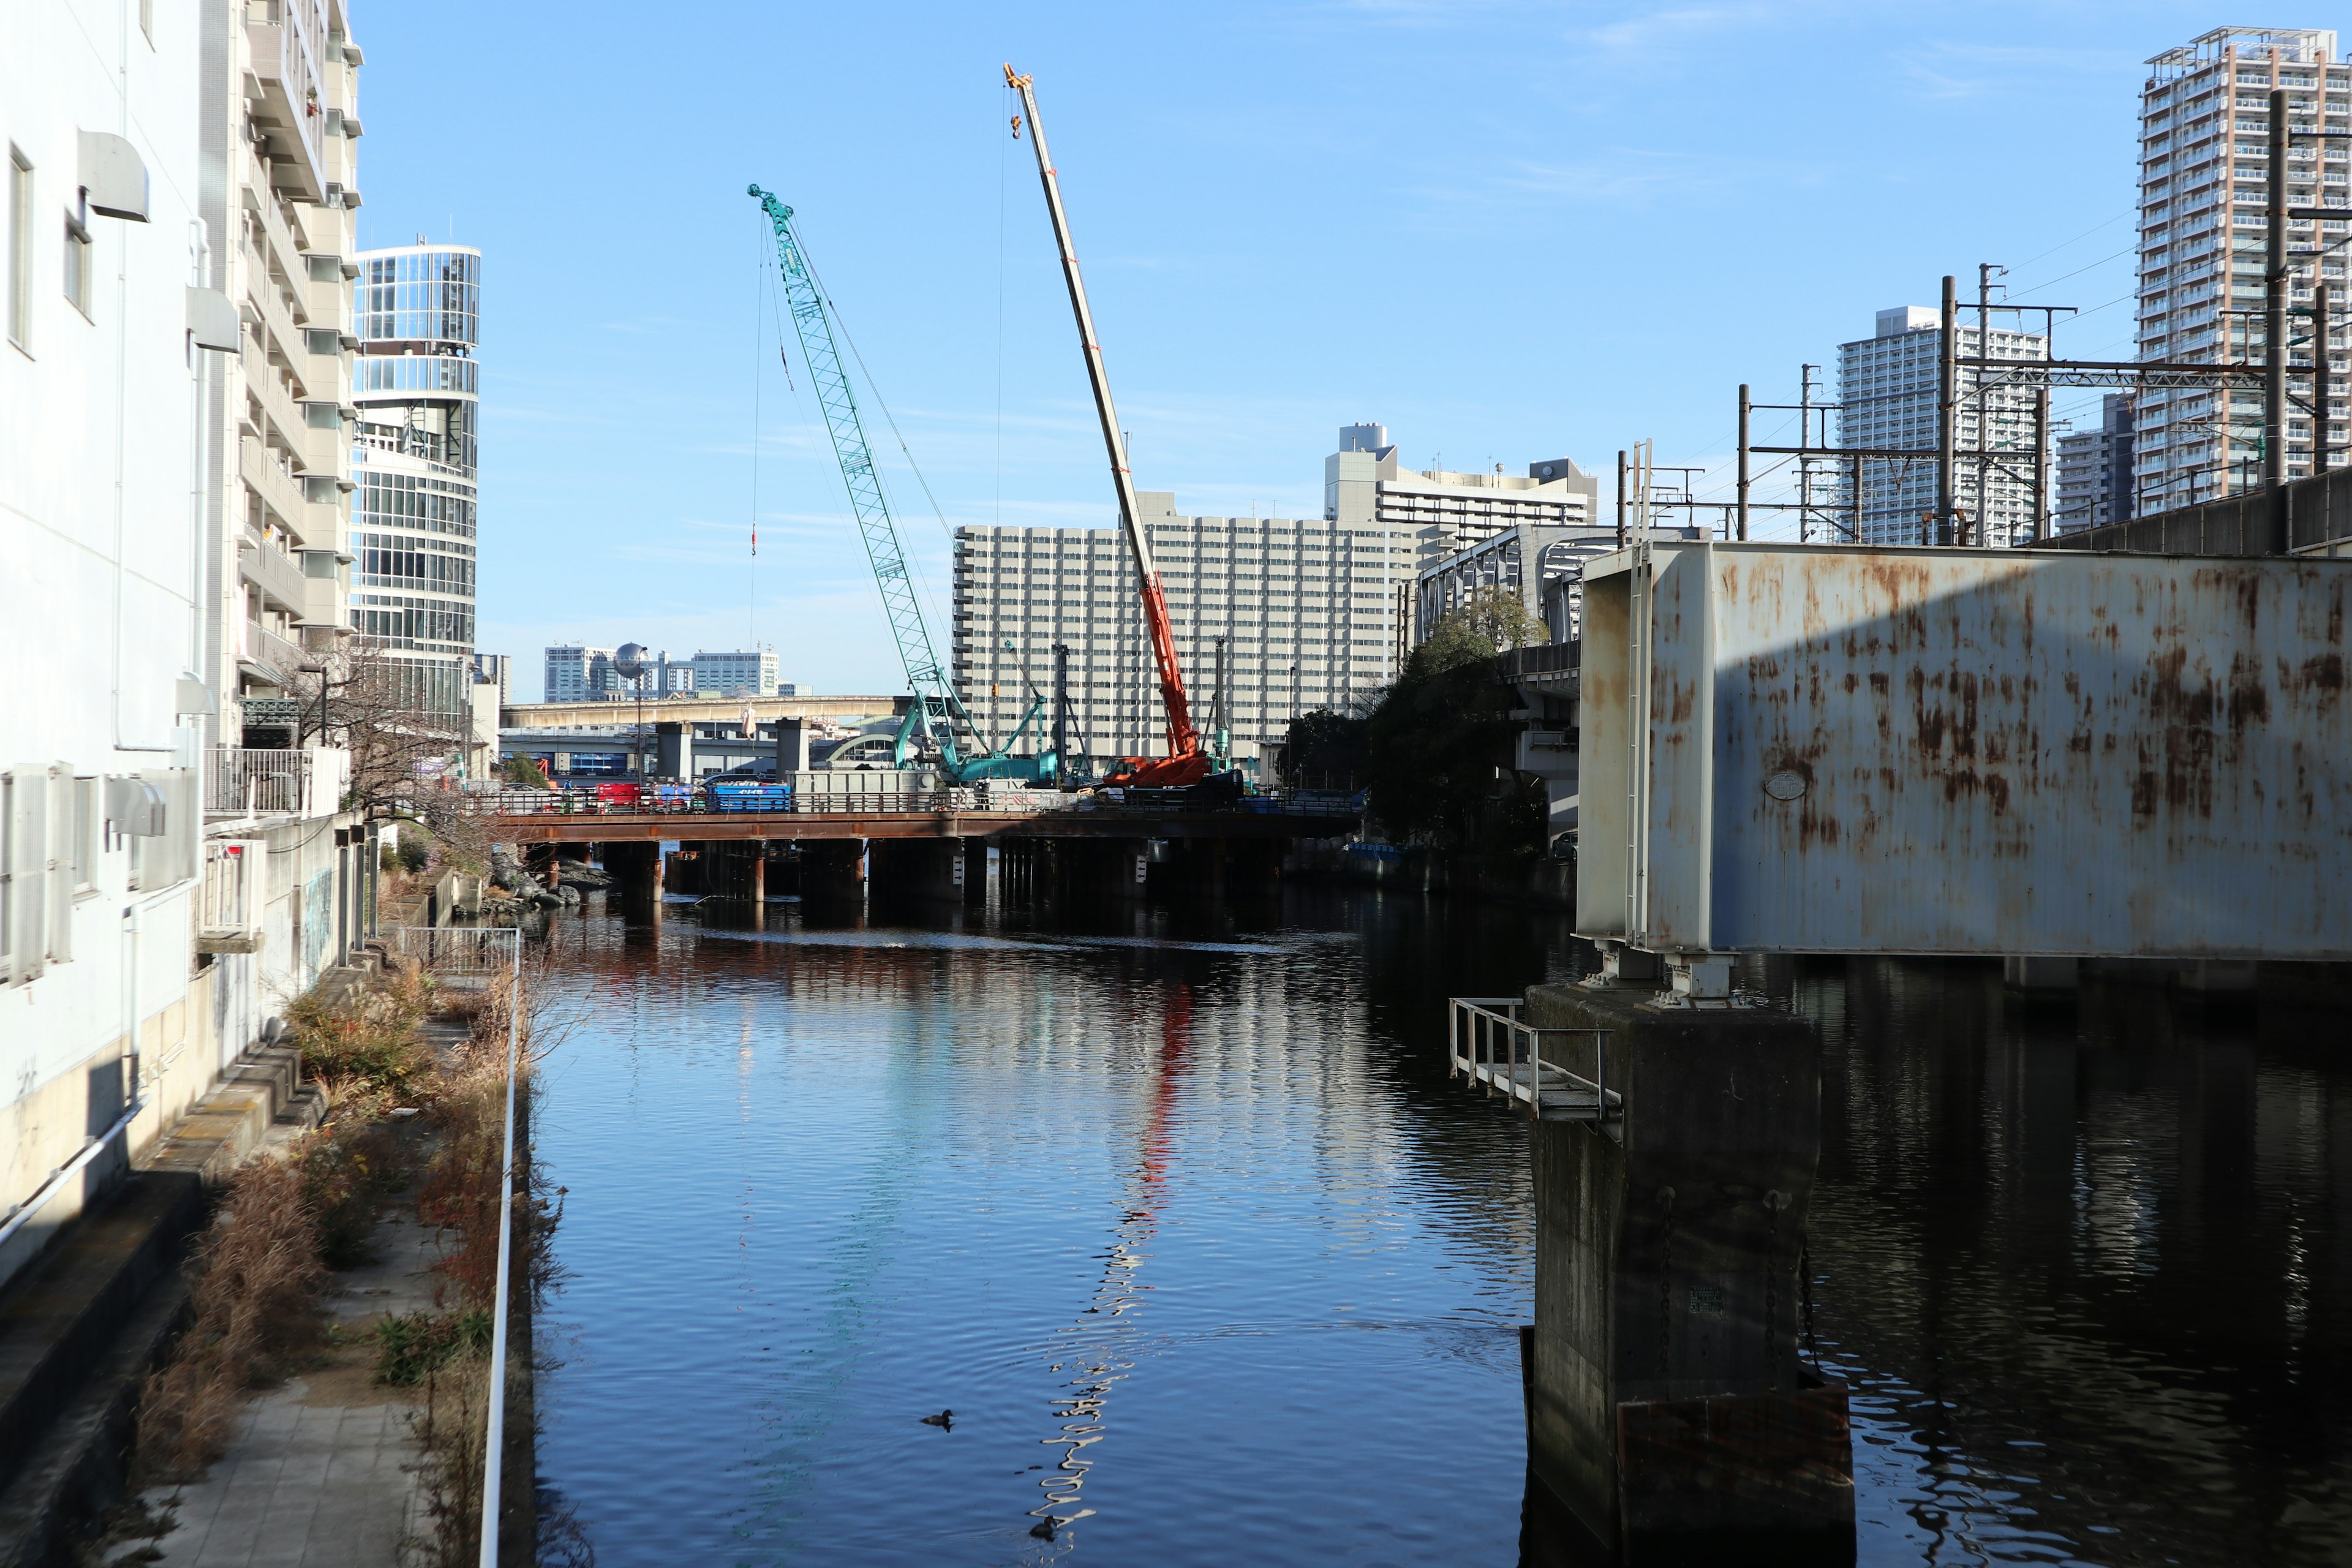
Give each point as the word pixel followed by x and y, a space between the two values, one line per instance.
pixel 1805 438
pixel 2322 372
pixel 1621 500
pixel 1985 269
pixel 1744 406
pixel 2275 284
pixel 1947 412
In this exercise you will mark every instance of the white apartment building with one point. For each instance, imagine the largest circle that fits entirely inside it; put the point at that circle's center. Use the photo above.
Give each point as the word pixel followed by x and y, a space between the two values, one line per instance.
pixel 2094 469
pixel 1312 613
pixel 163 564
pixel 1887 386
pixel 2204 173
pixel 417 314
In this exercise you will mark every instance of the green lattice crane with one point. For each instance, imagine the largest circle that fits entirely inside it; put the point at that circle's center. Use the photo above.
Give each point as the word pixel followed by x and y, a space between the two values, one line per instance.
pixel 935 712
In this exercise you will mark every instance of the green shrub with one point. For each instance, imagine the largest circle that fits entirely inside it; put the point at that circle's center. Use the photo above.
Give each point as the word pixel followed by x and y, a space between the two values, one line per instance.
pixel 408 1345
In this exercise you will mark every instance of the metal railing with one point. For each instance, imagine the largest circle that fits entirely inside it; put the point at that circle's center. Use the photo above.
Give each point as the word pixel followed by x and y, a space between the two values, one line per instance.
pixel 485 799
pixel 1488 1043
pixel 241 779
pixel 482 955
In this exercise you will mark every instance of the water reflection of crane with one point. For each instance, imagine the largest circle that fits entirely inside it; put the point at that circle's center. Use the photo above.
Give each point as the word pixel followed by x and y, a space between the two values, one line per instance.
pixel 1096 1352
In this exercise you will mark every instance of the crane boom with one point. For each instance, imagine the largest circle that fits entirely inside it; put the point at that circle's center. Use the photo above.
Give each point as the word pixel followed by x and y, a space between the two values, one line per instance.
pixel 1184 736
pixel 934 696
pixel 924 675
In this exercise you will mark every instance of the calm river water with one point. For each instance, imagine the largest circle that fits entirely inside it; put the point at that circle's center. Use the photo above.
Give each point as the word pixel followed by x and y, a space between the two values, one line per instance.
pixel 1180 1215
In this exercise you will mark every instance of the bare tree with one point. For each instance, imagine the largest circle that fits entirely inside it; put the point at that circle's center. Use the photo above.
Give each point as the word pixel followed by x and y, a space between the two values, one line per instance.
pixel 372 704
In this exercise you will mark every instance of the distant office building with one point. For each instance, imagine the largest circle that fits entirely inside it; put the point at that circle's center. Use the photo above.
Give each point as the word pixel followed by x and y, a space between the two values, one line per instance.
pixel 577 673
pixel 416 310
pixel 1314 612
pixel 1886 398
pixel 495 669
pixel 2094 469
pixel 749 672
pixel 2204 128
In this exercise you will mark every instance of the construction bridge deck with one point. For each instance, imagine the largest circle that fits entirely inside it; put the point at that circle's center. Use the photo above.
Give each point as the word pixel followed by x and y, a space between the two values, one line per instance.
pixel 547 828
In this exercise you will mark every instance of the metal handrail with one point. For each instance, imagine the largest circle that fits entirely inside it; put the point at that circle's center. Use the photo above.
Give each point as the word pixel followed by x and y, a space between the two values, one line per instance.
pixel 469 951
pixel 673 800
pixel 1488 1043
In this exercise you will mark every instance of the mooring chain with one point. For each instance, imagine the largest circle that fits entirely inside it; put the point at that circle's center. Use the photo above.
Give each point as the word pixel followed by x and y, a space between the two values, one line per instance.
pixel 1665 1288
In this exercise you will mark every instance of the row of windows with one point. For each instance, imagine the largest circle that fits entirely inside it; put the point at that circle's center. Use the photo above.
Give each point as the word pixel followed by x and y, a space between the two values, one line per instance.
pixel 415 501
pixel 431 296
pixel 383 567
pixel 415 372
pixel 412 622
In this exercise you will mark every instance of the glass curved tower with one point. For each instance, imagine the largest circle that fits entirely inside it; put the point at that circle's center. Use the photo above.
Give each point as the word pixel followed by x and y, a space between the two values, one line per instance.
pixel 416 311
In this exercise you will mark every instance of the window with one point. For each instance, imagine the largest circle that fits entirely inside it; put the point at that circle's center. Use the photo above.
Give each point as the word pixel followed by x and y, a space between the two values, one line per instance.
pixel 24 864
pixel 20 249
pixel 77 264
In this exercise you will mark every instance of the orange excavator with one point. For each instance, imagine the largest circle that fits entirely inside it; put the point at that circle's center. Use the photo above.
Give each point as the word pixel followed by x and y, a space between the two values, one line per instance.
pixel 1189 761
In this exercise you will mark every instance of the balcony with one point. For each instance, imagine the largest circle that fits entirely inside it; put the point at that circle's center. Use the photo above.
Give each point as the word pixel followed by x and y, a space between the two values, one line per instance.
pixel 272 571
pixel 285 62
pixel 264 382
pixel 273 659
pixel 278 239
pixel 243 781
pixel 279 489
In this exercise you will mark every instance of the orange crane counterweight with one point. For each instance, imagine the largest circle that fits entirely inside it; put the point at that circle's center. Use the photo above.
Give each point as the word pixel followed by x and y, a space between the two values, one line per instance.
pixel 1186 761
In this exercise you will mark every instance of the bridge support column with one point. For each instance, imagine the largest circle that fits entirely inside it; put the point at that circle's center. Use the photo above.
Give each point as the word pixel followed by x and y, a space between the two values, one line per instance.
pixel 833 868
pixel 637 870
pixel 918 868
pixel 2040 978
pixel 1667 1405
pixel 975 870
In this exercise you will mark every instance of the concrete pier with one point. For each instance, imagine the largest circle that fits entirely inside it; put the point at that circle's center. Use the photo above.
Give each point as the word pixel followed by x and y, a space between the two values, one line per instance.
pixel 1667 1407
pixel 636 866
pixel 930 869
pixel 833 868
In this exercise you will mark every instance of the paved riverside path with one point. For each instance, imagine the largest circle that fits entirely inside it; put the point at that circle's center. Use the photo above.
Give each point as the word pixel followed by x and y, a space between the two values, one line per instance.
pixel 323 1469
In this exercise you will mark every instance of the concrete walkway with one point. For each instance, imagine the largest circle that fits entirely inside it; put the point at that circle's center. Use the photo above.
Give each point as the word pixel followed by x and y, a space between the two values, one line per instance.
pixel 323 1469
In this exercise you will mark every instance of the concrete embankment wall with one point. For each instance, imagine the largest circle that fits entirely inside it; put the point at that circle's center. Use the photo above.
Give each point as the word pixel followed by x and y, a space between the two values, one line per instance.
pixel 1538 883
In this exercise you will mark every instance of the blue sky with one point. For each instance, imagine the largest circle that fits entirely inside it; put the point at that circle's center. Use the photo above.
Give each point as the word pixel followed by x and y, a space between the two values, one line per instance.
pixel 1509 231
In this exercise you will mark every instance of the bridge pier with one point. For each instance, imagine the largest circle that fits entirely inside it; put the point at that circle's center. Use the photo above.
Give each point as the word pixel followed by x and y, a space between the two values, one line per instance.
pixel 833 868
pixel 636 866
pixel 735 868
pixel 975 870
pixel 931 869
pixel 1667 1405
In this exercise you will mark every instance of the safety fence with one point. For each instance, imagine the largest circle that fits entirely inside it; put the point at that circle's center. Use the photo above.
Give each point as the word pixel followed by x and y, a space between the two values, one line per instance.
pixel 1488 1043
pixel 727 798
pixel 477 958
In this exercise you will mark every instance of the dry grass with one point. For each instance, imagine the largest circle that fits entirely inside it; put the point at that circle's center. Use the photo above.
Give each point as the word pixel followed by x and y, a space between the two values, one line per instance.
pixel 367 1044
pixel 254 1302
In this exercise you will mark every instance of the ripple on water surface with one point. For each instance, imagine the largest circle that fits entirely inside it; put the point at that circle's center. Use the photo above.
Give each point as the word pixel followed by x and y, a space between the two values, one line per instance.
pixel 1201 1261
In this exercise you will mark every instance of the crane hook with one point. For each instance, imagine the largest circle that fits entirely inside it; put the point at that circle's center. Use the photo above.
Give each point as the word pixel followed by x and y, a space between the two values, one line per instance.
pixel 1017 128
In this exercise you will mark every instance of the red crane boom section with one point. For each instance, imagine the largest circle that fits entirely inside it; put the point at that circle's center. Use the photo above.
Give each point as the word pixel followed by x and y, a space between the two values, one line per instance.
pixel 1186 763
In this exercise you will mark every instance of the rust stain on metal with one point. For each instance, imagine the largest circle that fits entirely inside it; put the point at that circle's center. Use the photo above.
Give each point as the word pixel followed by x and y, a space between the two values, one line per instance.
pixel 2022 752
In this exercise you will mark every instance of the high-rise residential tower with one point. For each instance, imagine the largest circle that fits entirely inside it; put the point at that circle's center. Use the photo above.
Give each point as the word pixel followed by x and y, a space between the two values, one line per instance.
pixel 418 313
pixel 2204 156
pixel 1886 398
pixel 2094 469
